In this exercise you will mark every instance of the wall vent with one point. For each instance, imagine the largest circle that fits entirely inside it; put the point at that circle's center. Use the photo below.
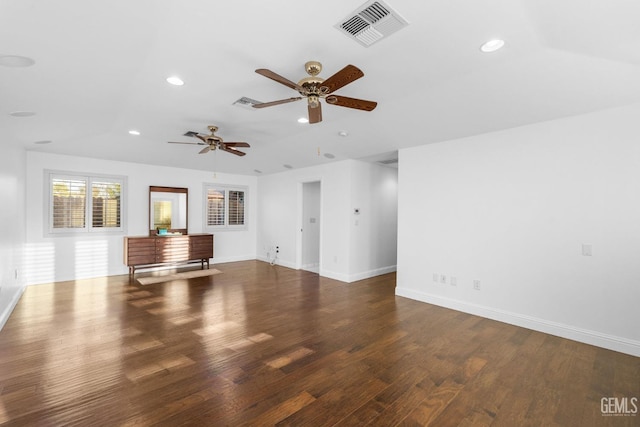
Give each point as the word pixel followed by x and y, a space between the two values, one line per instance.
pixel 371 22
pixel 247 103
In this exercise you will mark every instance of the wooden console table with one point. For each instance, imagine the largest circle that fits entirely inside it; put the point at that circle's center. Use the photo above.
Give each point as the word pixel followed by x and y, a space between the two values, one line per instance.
pixel 155 251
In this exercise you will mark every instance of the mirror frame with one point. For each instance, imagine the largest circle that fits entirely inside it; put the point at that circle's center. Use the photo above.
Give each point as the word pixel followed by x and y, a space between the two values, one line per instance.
pixel 160 189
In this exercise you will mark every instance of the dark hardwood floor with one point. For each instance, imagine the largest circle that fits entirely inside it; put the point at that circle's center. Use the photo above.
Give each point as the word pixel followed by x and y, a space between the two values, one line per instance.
pixel 266 345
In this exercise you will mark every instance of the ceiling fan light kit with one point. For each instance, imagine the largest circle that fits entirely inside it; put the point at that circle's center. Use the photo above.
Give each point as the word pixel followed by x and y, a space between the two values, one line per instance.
pixel 314 88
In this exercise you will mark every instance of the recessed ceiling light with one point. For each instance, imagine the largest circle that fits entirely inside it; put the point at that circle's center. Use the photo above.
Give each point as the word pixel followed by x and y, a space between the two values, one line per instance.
pixel 176 81
pixel 16 61
pixel 492 45
pixel 343 133
pixel 134 132
pixel 46 141
pixel 288 166
pixel 329 156
pixel 22 114
pixel 303 120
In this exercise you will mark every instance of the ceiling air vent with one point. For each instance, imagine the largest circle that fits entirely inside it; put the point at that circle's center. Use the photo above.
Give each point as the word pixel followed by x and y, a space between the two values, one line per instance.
pixel 247 103
pixel 371 22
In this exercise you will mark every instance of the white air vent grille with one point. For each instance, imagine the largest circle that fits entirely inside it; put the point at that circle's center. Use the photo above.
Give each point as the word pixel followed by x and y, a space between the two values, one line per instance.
pixel 354 25
pixel 247 103
pixel 371 22
pixel 375 12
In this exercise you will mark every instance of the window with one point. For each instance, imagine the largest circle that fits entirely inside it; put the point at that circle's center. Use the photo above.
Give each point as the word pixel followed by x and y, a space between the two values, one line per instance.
pixel 225 207
pixel 83 203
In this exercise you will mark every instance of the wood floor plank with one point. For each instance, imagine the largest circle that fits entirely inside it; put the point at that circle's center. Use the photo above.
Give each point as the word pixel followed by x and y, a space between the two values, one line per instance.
pixel 267 345
pixel 283 410
pixel 428 410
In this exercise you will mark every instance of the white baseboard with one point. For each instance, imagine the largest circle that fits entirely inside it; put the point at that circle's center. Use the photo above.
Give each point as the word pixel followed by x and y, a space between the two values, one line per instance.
pixel 314 267
pixel 216 260
pixel 334 275
pixel 611 342
pixel 371 273
pixel 12 304
pixel 277 262
pixel 349 278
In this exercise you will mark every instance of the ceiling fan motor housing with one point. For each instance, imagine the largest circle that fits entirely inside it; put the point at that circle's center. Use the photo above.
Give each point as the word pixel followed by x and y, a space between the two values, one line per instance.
pixel 312 84
pixel 313 68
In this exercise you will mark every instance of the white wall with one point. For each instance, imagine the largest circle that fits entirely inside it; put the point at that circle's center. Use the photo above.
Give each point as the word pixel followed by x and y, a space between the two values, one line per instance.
pixel 12 228
pixel 66 258
pixel 374 192
pixel 513 209
pixel 280 213
pixel 279 219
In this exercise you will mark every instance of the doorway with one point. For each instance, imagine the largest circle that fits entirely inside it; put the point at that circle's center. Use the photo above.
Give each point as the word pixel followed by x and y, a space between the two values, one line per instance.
pixel 310 229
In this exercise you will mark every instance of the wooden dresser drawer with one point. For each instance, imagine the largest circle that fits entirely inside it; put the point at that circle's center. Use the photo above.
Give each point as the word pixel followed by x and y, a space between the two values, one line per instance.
pixel 139 250
pixel 172 249
pixel 201 246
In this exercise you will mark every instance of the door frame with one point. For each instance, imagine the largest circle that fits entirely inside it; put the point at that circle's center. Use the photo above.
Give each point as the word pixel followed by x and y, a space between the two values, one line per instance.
pixel 300 222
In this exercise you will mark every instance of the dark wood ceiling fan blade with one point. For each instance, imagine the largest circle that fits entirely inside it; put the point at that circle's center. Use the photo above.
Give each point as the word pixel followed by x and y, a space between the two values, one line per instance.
pixel 187 143
pixel 232 150
pixel 205 149
pixel 202 138
pixel 343 101
pixel 281 101
pixel 315 114
pixel 278 78
pixel 190 133
pixel 236 144
pixel 348 74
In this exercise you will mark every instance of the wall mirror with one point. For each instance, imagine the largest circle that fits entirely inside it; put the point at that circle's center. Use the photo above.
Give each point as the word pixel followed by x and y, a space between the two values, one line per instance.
pixel 168 210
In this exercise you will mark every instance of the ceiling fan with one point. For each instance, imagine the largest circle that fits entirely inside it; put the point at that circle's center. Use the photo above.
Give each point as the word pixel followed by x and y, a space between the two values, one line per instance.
pixel 213 142
pixel 314 88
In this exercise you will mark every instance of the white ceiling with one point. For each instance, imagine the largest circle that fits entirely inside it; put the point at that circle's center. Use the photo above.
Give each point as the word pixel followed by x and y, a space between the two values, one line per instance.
pixel 100 70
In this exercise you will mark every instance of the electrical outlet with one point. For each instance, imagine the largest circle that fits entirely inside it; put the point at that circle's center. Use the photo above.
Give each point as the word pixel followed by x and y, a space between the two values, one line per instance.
pixel 443 279
pixel 435 277
pixel 476 285
pixel 453 281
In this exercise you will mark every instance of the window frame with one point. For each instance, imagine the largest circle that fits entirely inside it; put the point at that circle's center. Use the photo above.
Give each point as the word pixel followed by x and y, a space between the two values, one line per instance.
pixel 89 179
pixel 225 188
